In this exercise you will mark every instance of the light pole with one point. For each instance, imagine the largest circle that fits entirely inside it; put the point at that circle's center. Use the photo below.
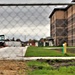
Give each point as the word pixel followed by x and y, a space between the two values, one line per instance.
pixel 25 37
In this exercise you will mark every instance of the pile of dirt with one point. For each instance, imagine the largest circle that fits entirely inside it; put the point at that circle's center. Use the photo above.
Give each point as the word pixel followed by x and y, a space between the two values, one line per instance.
pixel 13 67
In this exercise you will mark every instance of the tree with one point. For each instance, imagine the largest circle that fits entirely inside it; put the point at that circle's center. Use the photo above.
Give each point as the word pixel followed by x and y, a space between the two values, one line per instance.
pixel 34 40
pixel 18 39
pixel 13 39
pixel 7 40
pixel 42 39
pixel 30 40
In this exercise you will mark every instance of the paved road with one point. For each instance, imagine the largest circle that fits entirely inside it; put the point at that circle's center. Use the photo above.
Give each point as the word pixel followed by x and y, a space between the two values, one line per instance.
pixel 12 52
pixel 53 48
pixel 59 48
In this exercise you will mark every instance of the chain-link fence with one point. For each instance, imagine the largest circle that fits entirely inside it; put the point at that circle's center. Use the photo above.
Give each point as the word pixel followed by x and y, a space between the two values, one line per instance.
pixel 30 24
pixel 23 25
pixel 20 26
pixel 24 22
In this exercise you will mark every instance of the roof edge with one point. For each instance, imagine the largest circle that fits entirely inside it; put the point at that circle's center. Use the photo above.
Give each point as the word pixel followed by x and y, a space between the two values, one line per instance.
pixel 63 9
pixel 56 9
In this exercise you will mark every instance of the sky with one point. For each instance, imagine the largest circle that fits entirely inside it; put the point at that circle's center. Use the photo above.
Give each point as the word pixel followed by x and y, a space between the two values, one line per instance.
pixel 26 22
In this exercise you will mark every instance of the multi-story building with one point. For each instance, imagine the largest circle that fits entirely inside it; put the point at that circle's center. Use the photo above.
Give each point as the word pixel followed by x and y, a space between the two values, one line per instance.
pixel 71 25
pixel 62 22
pixel 58 20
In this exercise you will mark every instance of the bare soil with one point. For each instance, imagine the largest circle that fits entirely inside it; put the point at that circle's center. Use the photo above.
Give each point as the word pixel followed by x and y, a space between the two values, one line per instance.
pixel 13 67
pixel 59 62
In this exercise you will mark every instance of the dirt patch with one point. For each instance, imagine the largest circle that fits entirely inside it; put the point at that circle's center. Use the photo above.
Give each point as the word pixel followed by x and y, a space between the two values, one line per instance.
pixel 59 63
pixel 13 68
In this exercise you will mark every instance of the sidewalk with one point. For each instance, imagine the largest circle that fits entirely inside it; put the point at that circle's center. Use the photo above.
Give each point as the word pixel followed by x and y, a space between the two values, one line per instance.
pixel 13 53
pixel 36 58
pixel 23 51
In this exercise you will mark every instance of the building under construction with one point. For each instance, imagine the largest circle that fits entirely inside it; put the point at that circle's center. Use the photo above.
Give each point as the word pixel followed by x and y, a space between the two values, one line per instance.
pixel 62 21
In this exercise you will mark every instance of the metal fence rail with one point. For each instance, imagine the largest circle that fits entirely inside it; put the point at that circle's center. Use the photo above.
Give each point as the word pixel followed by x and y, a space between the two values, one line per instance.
pixel 37 4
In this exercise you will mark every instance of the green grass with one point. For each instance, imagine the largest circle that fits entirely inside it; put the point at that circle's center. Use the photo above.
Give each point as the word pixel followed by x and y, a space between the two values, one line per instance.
pixel 43 52
pixel 43 68
pixel 38 65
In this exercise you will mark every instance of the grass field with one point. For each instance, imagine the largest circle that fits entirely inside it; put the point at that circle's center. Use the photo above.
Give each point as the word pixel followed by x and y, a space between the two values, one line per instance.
pixel 43 68
pixel 44 52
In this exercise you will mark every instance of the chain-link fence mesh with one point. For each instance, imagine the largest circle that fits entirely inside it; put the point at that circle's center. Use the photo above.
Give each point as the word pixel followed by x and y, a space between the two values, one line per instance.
pixel 22 25
pixel 24 22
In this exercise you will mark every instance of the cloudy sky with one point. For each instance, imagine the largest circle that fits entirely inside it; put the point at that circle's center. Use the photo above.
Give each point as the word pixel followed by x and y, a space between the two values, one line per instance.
pixel 26 22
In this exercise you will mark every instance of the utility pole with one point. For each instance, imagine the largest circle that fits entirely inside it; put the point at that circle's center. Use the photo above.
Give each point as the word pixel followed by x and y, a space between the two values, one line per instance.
pixel 25 37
